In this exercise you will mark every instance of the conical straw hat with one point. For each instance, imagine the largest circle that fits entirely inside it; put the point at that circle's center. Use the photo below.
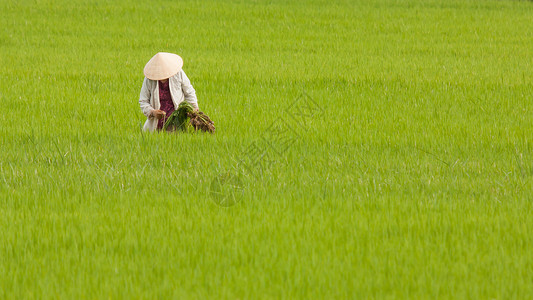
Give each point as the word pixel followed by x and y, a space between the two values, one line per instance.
pixel 162 66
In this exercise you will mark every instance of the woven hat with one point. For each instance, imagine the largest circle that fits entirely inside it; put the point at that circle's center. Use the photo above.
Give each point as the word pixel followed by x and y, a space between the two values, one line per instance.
pixel 162 66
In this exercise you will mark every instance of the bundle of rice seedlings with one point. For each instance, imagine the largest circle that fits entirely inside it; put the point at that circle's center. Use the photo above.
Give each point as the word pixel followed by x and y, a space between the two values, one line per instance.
pixel 186 119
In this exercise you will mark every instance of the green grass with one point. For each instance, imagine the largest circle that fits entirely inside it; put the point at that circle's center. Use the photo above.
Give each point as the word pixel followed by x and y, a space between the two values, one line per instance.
pixel 414 180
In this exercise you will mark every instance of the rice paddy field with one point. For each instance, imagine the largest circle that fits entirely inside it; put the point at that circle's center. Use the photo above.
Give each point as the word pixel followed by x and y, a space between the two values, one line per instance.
pixel 363 149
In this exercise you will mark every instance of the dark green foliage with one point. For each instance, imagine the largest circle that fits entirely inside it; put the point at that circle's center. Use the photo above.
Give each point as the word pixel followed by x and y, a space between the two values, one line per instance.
pixel 186 119
pixel 179 119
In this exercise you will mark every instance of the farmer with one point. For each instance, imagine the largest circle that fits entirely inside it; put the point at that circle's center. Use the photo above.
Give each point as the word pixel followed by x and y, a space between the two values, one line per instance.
pixel 164 87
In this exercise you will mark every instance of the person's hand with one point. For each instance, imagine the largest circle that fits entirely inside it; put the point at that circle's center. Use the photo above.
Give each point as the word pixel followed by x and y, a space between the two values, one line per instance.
pixel 158 114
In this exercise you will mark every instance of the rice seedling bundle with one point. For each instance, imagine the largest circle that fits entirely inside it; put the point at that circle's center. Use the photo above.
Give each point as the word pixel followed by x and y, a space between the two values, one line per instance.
pixel 186 119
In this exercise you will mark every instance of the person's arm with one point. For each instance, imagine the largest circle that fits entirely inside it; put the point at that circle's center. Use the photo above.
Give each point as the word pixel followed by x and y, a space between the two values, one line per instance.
pixel 144 99
pixel 188 91
pixel 144 102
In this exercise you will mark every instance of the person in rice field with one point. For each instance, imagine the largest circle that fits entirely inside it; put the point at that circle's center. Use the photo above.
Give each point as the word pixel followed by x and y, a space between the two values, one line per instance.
pixel 164 87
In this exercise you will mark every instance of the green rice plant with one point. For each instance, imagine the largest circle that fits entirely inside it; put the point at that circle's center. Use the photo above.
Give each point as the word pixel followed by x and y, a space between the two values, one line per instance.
pixel 179 119
pixel 416 182
pixel 186 119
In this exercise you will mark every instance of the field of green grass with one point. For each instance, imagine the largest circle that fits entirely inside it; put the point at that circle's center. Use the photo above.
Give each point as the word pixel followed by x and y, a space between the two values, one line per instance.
pixel 364 149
